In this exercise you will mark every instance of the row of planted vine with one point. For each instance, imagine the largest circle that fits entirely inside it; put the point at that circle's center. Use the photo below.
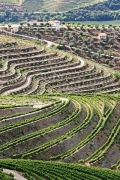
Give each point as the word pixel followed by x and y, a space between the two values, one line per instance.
pixel 54 170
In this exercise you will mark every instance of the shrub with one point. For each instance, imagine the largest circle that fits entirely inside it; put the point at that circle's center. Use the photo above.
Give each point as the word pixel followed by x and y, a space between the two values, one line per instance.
pixel 106 61
pixel 116 75
pixel 59 47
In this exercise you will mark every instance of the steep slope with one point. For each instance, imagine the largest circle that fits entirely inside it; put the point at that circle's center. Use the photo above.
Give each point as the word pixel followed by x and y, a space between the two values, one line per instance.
pixel 27 68
pixel 101 11
pixel 55 5
pixel 82 128
pixel 109 5
pixel 40 170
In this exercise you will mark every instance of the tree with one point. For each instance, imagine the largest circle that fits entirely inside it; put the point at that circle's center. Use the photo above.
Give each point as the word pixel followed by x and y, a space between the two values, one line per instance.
pixel 9 25
pixel 21 24
pixel 106 61
pixel 116 75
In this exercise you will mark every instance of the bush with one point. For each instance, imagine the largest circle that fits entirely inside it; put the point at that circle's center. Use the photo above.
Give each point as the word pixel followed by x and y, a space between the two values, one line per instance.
pixel 59 47
pixel 116 75
pixel 107 61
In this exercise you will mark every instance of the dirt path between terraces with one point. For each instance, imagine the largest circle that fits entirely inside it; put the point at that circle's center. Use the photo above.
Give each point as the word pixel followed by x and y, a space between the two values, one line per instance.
pixel 16 174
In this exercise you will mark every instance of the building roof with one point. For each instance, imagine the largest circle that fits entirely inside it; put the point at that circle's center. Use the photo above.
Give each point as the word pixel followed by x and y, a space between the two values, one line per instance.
pixel 102 34
pixel 53 22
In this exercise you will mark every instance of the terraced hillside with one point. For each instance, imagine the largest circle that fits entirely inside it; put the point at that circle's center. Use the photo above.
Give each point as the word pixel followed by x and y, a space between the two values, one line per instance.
pixel 81 128
pixel 84 41
pixel 52 170
pixel 55 5
pixel 77 129
pixel 28 68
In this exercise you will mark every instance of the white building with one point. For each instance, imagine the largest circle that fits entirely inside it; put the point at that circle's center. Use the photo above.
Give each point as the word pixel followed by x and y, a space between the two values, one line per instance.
pixel 14 28
pixel 55 24
pixel 102 36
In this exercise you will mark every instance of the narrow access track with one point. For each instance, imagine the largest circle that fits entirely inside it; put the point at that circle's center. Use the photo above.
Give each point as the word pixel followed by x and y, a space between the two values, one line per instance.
pixel 16 174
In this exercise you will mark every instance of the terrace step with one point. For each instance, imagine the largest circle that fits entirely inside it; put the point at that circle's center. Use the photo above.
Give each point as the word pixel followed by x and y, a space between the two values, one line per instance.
pixel 5 121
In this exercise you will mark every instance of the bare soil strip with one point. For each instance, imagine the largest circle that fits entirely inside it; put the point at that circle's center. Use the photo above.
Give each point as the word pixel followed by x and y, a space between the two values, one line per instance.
pixel 16 174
